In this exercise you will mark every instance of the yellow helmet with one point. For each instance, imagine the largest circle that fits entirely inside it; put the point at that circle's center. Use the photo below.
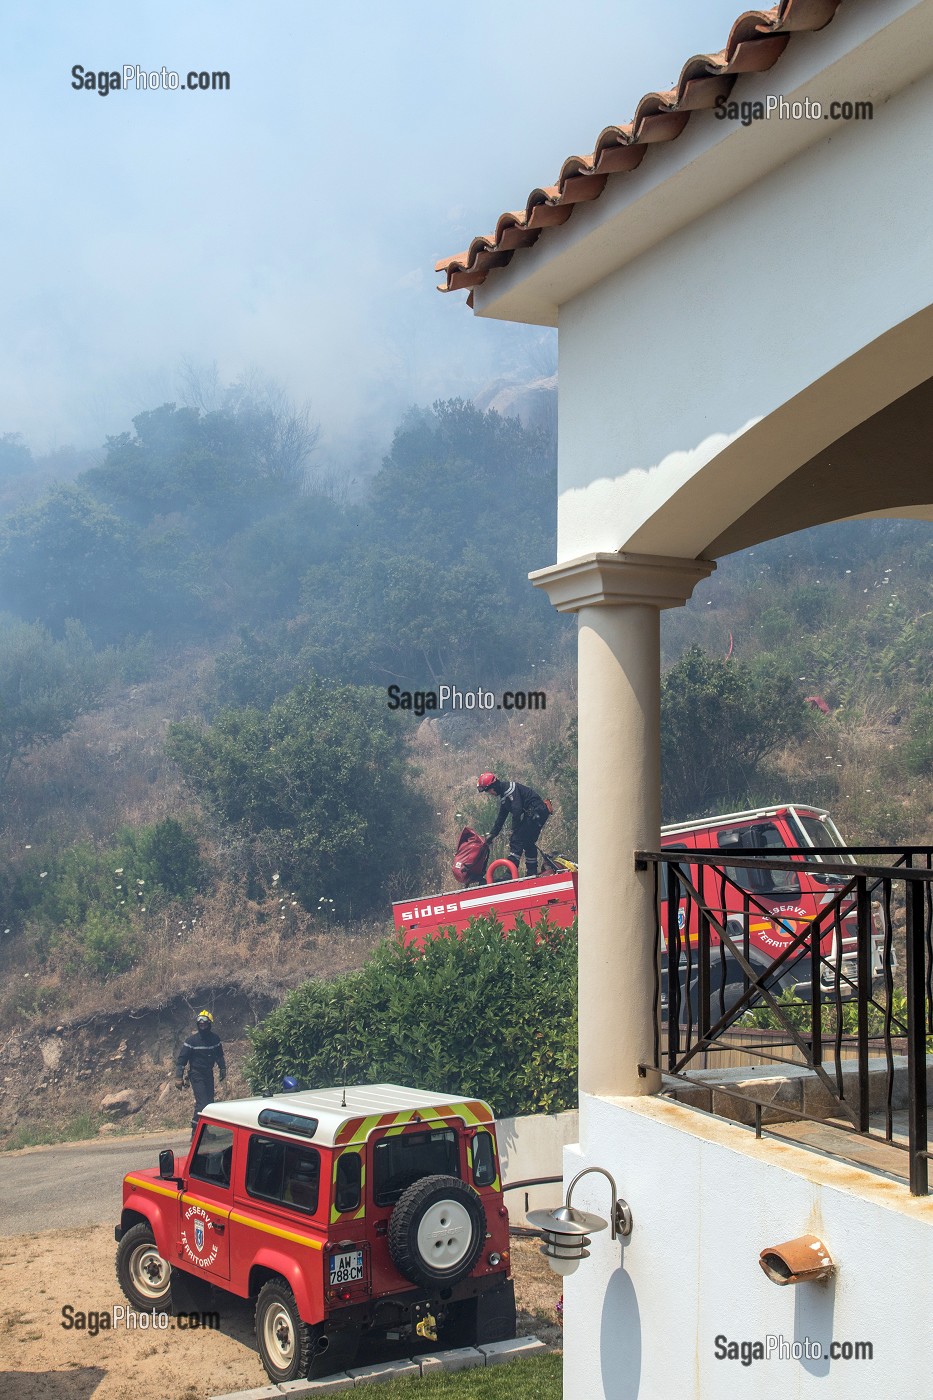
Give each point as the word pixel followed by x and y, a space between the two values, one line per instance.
pixel 205 1016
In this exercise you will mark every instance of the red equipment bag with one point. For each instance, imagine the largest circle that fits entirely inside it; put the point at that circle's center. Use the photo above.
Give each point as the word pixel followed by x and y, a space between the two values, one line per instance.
pixel 471 857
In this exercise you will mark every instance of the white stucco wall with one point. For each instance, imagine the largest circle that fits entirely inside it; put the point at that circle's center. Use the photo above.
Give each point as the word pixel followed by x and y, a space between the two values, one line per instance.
pixel 642 1315
pixel 700 341
pixel 533 1146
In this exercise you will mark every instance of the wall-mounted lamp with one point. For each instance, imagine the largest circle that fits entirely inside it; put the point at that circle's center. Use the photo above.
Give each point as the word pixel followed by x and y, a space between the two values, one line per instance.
pixel 566 1231
pixel 803 1260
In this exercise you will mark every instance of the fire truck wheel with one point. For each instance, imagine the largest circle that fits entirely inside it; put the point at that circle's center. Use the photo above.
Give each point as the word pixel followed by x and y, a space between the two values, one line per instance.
pixel 144 1276
pixel 437 1230
pixel 286 1344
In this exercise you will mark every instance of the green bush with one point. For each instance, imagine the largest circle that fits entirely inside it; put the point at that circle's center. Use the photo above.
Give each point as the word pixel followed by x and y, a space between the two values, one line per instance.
pixel 798 1013
pixel 318 789
pixel 45 685
pixel 918 750
pixel 166 856
pixel 91 902
pixel 720 718
pixel 106 943
pixel 485 1015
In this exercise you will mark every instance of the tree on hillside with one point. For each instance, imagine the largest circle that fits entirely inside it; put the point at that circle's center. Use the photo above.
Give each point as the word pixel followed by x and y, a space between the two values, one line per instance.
pixel 45 686
pixel 317 790
pixel 433 583
pixel 15 456
pixel 719 720
pixel 456 476
pixel 227 467
pixel 70 557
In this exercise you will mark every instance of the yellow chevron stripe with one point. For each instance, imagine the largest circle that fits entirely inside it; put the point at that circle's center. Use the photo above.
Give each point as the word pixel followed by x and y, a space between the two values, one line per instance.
pixel 151 1186
pixel 274 1230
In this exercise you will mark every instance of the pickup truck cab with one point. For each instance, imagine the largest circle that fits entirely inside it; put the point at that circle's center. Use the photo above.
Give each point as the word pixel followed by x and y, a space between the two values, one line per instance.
pixel 373 1210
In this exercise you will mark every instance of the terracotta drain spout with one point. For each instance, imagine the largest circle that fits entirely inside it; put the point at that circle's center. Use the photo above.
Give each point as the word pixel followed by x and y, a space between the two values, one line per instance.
pixel 803 1260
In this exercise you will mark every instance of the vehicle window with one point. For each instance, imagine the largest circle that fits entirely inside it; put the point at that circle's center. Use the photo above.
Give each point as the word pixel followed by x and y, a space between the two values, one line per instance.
pixel 407 1157
pixel 783 883
pixel 286 1172
pixel 348 1186
pixel 213 1156
pixel 822 835
pixel 484 1160
pixel 819 834
pixel 295 1123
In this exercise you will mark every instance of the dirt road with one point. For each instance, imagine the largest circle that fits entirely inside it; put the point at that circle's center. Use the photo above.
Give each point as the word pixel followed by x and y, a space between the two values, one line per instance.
pixel 76 1184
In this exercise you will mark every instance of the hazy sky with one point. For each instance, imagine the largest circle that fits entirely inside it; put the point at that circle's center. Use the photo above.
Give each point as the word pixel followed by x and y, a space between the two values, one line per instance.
pixel 290 224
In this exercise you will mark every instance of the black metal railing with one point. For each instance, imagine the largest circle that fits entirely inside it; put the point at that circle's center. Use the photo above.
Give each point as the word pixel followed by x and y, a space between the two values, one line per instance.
pixel 829 987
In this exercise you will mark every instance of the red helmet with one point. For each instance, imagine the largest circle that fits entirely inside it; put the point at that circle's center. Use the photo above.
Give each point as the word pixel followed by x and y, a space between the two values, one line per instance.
pixel 485 781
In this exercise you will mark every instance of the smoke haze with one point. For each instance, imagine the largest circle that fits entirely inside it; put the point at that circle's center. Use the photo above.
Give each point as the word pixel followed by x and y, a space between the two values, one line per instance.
pixel 290 224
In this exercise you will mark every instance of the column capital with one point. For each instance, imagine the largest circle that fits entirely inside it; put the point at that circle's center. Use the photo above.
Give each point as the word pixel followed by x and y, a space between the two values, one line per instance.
pixel 608 580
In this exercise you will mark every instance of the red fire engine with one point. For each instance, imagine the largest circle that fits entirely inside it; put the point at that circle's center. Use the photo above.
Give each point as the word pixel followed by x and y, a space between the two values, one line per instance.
pixel 779 902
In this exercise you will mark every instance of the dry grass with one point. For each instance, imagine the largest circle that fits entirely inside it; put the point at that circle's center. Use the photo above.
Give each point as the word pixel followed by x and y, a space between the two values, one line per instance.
pixel 852 765
pixel 264 949
pixel 110 771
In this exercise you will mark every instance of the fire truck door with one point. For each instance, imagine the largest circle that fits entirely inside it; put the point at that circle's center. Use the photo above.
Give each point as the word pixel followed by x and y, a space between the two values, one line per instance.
pixel 204 1223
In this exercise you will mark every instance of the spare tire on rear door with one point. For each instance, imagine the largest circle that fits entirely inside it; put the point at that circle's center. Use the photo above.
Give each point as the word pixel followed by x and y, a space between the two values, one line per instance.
pixel 437 1230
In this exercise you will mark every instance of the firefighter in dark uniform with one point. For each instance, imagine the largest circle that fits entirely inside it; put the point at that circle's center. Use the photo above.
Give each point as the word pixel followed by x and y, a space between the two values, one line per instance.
pixel 528 811
pixel 199 1054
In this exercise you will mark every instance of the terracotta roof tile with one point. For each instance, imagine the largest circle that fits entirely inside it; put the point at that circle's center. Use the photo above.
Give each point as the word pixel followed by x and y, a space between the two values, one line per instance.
pixel 756 41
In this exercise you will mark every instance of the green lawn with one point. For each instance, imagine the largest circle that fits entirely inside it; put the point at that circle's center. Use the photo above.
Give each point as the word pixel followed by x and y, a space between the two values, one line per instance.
pixel 513 1380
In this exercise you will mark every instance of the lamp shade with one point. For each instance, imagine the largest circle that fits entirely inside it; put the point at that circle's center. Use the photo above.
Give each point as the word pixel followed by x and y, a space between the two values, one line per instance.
pixel 566 1233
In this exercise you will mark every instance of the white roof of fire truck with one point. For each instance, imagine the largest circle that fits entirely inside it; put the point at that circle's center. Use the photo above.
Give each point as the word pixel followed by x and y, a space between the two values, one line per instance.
pixel 727 818
pixel 322 1115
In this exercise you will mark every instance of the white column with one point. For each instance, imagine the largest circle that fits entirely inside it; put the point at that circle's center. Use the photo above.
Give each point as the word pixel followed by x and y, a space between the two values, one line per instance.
pixel 618 599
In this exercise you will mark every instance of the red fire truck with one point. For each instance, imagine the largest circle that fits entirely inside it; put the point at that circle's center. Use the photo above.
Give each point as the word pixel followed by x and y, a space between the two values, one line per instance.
pixel 779 903
pixel 554 894
pixel 772 906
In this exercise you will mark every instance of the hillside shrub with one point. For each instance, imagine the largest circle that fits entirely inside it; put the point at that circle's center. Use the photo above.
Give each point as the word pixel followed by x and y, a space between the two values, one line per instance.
pixel 318 790
pixel 92 903
pixel 486 1015
pixel 720 718
pixel 45 685
pixel 918 750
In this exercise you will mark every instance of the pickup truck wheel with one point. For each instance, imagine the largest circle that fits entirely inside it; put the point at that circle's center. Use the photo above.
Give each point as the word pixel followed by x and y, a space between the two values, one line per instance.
pixel 144 1276
pixel 286 1344
pixel 437 1230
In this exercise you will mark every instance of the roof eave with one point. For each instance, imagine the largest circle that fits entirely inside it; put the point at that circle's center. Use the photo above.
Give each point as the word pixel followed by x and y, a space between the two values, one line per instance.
pixel 869 52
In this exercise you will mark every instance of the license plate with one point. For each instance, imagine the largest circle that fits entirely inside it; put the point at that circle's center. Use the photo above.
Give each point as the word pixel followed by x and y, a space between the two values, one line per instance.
pixel 346 1268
